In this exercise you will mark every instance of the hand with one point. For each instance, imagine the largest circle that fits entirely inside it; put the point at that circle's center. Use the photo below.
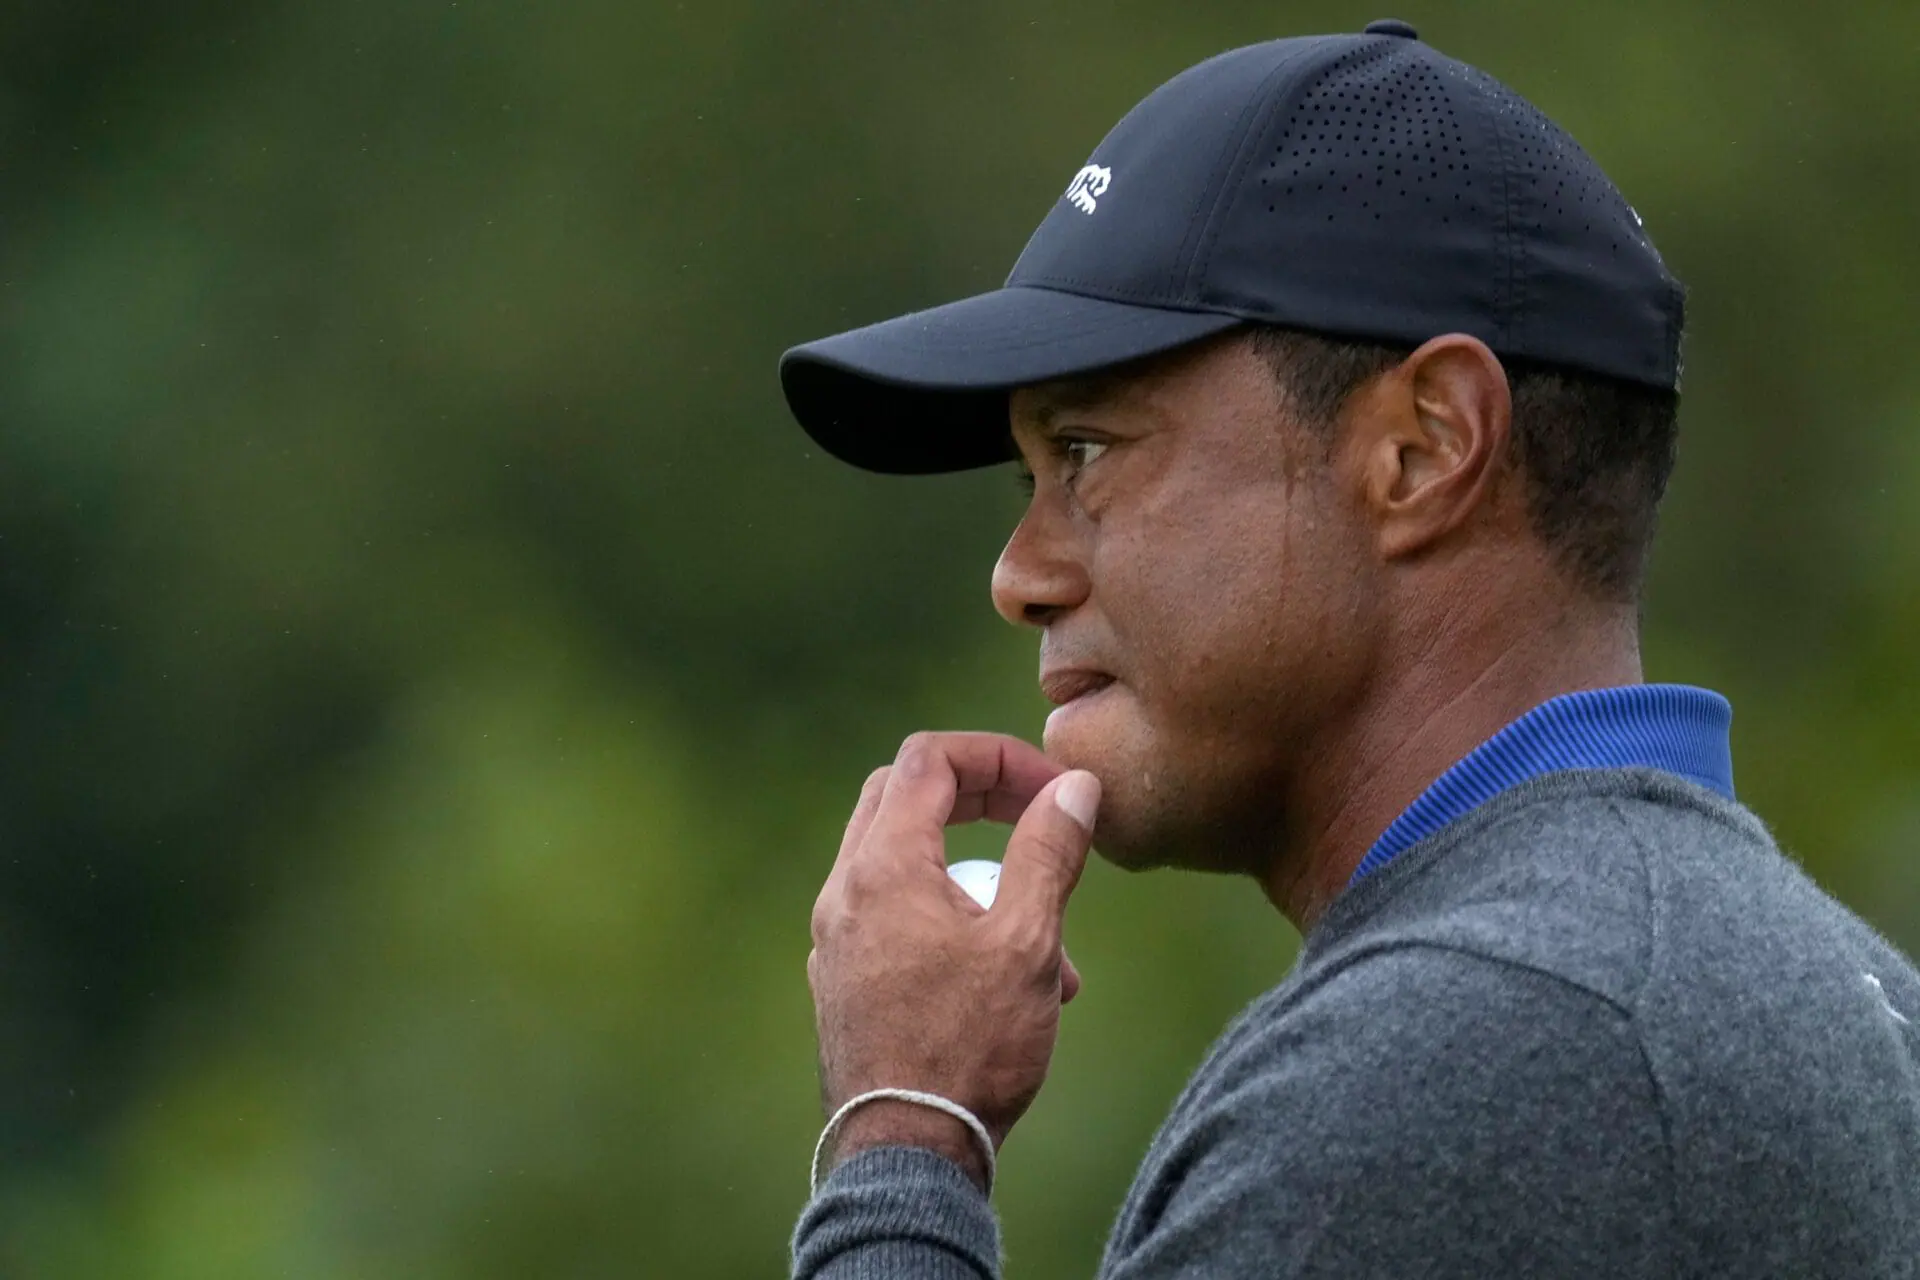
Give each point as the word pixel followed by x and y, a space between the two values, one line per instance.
pixel 915 986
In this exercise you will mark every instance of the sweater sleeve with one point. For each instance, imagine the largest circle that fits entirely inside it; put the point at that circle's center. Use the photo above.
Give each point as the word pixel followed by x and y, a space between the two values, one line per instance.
pixel 1421 1112
pixel 899 1213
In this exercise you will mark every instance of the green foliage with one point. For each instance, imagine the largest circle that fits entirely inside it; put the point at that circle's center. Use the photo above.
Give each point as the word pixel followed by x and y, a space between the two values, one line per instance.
pixel 436 671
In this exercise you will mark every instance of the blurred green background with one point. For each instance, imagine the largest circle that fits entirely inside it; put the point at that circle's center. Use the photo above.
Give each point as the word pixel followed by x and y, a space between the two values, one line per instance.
pixel 435 670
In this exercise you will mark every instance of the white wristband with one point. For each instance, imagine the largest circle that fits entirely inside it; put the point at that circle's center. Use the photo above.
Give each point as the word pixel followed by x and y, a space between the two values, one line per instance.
pixel 933 1100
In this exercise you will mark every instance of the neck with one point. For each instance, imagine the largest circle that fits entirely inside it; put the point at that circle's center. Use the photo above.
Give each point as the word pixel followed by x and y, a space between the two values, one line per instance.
pixel 1443 694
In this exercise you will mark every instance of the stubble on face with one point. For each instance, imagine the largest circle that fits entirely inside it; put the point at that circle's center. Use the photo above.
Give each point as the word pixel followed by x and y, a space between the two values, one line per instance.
pixel 1225 582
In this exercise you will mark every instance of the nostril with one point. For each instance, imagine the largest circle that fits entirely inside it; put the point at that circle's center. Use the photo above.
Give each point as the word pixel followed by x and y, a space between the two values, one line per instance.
pixel 1039 615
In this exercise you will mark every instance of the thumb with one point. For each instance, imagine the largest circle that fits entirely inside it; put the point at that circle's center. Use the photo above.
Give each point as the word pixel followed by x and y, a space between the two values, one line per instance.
pixel 1048 850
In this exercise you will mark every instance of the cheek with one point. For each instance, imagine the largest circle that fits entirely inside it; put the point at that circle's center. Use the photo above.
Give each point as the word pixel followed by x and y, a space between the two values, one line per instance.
pixel 1238 648
pixel 1220 608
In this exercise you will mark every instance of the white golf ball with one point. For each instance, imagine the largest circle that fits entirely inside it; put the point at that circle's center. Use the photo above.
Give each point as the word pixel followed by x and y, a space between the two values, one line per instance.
pixel 979 877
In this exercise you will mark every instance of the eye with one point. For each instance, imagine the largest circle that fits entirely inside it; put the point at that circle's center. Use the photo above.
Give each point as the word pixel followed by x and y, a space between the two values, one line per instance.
pixel 1081 453
pixel 1075 456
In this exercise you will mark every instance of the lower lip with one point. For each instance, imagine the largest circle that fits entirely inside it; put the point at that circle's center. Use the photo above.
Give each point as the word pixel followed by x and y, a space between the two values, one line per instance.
pixel 1062 713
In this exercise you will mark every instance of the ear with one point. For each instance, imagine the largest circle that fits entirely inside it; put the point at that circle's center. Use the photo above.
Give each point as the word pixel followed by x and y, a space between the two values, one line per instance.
pixel 1430 437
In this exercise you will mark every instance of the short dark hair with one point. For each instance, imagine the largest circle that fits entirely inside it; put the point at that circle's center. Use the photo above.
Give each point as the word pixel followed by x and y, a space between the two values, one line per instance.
pixel 1596 451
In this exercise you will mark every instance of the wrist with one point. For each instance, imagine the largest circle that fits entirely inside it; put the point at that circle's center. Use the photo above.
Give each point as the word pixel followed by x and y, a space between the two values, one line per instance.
pixel 889 1122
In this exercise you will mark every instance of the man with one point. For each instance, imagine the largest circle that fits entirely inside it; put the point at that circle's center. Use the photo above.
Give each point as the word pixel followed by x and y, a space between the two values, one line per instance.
pixel 1346 385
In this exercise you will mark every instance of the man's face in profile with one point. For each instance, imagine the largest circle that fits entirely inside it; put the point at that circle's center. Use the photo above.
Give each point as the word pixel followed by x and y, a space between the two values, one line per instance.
pixel 1203 581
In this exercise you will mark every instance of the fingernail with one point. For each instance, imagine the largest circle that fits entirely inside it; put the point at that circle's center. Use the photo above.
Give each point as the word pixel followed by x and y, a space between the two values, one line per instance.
pixel 1078 795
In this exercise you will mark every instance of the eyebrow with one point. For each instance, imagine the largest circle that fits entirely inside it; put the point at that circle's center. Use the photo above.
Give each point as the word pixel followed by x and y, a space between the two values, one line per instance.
pixel 1087 391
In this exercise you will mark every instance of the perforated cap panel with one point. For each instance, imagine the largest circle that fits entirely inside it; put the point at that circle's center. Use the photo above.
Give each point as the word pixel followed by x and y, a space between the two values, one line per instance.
pixel 1559 181
pixel 1379 130
pixel 1397 194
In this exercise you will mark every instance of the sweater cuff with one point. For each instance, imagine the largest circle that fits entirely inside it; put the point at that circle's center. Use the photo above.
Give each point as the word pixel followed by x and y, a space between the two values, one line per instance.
pixel 897 1212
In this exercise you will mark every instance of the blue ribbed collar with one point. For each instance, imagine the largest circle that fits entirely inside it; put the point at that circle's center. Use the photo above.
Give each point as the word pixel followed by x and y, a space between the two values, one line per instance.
pixel 1672 727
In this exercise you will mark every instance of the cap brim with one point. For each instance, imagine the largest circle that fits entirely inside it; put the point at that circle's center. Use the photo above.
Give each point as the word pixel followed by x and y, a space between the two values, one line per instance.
pixel 927 392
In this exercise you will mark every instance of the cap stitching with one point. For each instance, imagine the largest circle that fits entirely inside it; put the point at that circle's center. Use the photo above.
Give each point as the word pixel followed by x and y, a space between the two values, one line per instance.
pixel 1191 277
pixel 1180 275
pixel 1512 328
pixel 1105 289
pixel 1504 238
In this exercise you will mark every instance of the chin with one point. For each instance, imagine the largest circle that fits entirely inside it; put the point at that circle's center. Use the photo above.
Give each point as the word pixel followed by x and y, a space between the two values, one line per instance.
pixel 1150 815
pixel 1147 820
pixel 1128 852
pixel 1076 741
pixel 1090 738
pixel 1135 840
pixel 1105 732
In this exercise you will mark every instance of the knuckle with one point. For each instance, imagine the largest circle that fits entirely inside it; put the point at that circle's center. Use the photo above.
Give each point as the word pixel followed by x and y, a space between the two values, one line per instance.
pixel 876 781
pixel 862 884
pixel 1032 939
pixel 918 753
pixel 827 915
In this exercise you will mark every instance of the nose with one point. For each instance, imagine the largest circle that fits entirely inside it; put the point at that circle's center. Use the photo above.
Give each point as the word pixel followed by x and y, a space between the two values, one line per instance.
pixel 1041 574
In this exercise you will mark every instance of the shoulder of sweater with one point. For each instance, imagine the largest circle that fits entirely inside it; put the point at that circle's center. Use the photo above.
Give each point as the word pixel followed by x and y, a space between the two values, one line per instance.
pixel 1405 1010
pixel 1560 876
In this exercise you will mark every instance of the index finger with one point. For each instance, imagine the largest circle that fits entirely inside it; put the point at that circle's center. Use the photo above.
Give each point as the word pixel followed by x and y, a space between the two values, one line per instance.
pixel 942 778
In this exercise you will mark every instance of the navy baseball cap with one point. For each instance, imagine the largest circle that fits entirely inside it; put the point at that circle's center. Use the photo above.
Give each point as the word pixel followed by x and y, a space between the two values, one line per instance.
pixel 1359 186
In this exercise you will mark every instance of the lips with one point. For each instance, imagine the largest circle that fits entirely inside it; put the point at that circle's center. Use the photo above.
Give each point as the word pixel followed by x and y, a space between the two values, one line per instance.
pixel 1063 686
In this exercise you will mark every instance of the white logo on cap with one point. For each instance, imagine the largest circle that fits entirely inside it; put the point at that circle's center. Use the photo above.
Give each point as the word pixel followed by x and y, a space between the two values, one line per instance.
pixel 1088 185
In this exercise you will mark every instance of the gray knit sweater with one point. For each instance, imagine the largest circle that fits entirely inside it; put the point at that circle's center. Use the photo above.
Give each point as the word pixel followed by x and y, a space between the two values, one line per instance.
pixel 1597 1027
